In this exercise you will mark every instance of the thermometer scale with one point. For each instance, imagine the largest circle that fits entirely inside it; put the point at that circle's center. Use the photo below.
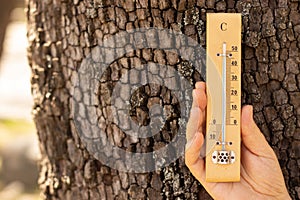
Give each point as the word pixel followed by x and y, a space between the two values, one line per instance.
pixel 223 78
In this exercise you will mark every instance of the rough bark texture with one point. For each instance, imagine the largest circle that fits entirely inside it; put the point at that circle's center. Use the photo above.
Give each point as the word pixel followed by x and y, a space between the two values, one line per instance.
pixel 62 32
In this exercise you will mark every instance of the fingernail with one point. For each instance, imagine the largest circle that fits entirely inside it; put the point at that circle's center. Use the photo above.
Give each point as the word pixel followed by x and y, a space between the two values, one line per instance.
pixel 198 84
pixel 195 102
pixel 196 99
pixel 194 111
pixel 203 151
pixel 251 111
pixel 190 141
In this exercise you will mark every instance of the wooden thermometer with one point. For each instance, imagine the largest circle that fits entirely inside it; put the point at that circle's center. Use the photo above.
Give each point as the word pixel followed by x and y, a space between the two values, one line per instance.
pixel 223 78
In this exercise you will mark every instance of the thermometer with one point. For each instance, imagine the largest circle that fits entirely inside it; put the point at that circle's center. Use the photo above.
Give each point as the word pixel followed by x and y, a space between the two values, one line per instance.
pixel 223 79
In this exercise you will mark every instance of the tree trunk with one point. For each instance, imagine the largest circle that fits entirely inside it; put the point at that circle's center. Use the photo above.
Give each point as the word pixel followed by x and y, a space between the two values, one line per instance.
pixel 63 33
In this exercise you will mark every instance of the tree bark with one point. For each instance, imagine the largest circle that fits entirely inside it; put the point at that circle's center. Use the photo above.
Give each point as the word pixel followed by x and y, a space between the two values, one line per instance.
pixel 62 33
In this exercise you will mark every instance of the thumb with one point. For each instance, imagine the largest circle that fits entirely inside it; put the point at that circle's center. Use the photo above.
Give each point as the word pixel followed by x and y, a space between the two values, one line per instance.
pixel 252 137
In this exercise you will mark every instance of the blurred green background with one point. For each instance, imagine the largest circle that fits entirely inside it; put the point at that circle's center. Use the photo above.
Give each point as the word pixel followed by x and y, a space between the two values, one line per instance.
pixel 18 141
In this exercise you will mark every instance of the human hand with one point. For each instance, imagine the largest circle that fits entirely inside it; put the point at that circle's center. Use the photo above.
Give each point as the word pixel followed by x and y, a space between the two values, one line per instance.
pixel 261 176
